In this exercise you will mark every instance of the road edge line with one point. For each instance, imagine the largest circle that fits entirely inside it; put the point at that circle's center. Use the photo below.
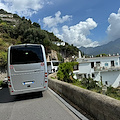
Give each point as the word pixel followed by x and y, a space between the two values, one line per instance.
pixel 77 113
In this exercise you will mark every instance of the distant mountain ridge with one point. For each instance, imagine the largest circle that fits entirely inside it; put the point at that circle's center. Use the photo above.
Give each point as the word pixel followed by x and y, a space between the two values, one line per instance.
pixel 112 47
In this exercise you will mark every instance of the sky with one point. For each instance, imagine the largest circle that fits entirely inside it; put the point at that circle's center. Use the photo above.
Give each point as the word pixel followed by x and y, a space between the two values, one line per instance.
pixel 87 23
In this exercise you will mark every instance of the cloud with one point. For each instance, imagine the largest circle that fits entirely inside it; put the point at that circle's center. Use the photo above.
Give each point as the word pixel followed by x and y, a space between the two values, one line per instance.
pixel 113 29
pixel 77 34
pixel 23 7
pixel 54 21
pixel 55 30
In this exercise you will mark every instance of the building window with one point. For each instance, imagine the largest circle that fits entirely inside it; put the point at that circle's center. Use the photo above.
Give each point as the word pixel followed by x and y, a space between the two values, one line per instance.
pixel 112 64
pixel 75 67
pixel 116 63
pixel 106 82
pixel 106 64
pixel 80 76
pixel 97 64
pixel 88 75
pixel 92 64
pixel 85 76
pixel 93 75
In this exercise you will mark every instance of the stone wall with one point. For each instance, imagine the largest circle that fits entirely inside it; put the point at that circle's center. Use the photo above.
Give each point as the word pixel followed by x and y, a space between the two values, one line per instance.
pixel 100 106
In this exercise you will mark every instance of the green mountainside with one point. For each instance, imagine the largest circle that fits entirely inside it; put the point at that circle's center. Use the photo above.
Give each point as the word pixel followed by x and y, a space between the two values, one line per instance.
pixel 17 30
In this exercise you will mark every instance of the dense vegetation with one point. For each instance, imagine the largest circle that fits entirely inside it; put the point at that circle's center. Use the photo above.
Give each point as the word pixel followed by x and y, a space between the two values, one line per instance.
pixel 21 30
pixel 90 84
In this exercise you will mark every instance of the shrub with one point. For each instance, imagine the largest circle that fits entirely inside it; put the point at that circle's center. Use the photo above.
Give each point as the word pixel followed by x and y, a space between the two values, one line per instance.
pixel 89 83
pixel 112 92
pixel 65 72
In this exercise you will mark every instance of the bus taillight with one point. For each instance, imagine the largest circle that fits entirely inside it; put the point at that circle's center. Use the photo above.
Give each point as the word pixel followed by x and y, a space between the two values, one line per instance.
pixel 45 74
pixel 9 78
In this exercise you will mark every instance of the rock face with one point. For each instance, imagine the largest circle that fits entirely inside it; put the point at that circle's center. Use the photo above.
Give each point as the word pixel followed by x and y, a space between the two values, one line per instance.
pixel 52 56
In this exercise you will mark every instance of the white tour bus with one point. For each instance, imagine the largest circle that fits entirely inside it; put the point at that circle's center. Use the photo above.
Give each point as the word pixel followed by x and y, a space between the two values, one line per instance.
pixel 27 69
pixel 52 66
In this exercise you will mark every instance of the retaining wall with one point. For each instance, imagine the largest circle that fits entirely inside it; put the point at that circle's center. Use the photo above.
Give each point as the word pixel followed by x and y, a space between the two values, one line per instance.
pixel 100 106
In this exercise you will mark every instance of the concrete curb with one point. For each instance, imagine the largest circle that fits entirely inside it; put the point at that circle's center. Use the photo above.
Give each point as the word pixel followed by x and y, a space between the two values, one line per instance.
pixel 100 106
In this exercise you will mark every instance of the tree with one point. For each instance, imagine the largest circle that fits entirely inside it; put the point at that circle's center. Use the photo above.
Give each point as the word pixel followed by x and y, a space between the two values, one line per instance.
pixel 3 59
pixel 103 54
pixel 1 21
pixel 65 72
pixel 89 83
pixel 36 25
pixel 21 28
pixel 2 11
pixel 16 16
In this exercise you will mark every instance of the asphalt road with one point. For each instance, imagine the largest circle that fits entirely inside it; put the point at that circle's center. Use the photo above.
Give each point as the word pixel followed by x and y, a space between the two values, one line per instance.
pixel 37 106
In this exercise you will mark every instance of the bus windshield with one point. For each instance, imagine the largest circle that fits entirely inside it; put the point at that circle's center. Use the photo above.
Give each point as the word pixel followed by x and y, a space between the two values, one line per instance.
pixel 55 63
pixel 26 54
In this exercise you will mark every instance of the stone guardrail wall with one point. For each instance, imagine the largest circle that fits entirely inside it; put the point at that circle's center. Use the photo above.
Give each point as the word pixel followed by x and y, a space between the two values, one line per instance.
pixel 101 107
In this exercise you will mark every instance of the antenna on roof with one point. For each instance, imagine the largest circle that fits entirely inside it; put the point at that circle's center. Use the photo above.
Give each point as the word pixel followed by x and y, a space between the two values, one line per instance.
pixel 80 55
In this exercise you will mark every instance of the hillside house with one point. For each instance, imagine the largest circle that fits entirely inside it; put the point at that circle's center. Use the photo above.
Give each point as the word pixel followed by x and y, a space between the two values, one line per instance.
pixel 6 15
pixel 105 69
pixel 59 43
pixel 8 18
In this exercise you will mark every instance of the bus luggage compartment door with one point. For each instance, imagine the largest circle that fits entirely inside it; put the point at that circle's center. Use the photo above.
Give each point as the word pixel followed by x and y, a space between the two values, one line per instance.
pixel 26 78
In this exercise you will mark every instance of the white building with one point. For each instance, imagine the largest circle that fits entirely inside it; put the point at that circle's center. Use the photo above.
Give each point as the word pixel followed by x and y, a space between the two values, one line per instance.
pixel 105 69
pixel 6 15
pixel 59 43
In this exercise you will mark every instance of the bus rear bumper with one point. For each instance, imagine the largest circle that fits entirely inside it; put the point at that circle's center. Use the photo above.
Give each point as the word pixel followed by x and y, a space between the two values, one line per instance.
pixel 18 92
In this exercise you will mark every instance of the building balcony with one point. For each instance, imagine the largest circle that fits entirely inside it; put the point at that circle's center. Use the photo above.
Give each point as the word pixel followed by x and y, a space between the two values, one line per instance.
pixel 106 69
